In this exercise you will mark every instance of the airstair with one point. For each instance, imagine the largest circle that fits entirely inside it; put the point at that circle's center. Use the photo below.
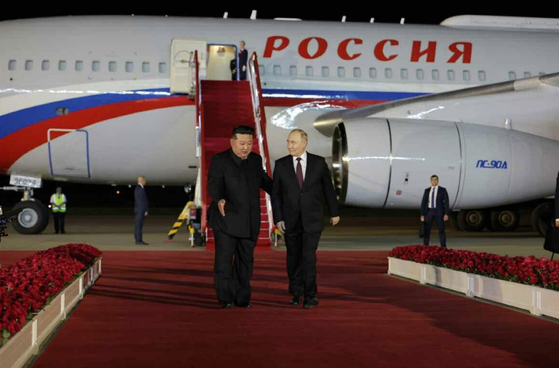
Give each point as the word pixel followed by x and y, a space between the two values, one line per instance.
pixel 220 106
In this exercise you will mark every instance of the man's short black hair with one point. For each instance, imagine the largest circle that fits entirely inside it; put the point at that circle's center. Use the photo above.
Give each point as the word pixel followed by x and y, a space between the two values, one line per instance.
pixel 242 129
pixel 434 176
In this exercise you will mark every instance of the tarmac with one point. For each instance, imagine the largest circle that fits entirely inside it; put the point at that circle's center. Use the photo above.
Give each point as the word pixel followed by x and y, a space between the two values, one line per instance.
pixel 359 229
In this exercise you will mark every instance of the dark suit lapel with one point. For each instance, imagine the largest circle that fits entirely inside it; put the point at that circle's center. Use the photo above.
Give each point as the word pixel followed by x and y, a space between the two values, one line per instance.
pixel 291 169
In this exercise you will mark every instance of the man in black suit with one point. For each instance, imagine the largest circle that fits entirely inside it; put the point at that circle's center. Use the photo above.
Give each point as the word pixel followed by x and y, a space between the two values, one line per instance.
pixel 435 206
pixel 243 58
pixel 301 184
pixel 140 209
pixel 235 178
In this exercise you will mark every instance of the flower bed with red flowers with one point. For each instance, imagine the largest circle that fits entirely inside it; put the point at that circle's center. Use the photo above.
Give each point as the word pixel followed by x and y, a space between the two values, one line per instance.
pixel 28 285
pixel 524 270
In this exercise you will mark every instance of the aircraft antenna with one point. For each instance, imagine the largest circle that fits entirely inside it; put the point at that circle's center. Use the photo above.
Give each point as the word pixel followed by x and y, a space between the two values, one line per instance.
pixel 253 15
pixel 225 15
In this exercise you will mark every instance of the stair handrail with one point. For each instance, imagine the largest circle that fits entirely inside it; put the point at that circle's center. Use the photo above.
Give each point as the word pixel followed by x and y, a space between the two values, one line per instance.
pixel 260 123
pixel 200 194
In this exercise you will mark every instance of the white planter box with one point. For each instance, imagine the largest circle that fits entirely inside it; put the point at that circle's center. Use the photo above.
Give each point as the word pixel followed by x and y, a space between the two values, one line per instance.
pixel 535 299
pixel 17 351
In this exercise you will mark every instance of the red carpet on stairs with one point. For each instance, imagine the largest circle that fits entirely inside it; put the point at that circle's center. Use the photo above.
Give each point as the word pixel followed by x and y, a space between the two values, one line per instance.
pixel 158 309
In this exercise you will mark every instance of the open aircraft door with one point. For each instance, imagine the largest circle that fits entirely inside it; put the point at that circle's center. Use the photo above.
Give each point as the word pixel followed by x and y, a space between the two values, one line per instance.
pixel 183 69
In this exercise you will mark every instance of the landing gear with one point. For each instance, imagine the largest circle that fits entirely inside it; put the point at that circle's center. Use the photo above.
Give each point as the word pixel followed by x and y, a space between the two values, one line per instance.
pixel 33 218
pixel 504 220
pixel 472 220
pixel 543 217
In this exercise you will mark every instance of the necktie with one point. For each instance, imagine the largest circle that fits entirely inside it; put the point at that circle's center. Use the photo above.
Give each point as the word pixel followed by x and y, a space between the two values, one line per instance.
pixel 299 172
pixel 433 197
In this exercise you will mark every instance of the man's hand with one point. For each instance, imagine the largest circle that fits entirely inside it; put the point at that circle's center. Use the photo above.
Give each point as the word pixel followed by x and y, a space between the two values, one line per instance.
pixel 335 220
pixel 221 206
pixel 422 218
pixel 281 226
pixel 445 217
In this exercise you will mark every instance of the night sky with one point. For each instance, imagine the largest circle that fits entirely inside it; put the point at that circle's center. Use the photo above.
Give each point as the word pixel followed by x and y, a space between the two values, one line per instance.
pixel 421 12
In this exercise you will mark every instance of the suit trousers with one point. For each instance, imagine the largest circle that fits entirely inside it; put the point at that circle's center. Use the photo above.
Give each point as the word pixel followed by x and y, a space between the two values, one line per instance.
pixel 59 222
pixel 138 226
pixel 433 215
pixel 233 267
pixel 301 262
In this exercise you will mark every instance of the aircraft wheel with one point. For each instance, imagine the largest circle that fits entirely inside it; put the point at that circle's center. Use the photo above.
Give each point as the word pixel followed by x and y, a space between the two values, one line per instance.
pixel 454 220
pixel 472 220
pixel 33 218
pixel 504 220
pixel 543 217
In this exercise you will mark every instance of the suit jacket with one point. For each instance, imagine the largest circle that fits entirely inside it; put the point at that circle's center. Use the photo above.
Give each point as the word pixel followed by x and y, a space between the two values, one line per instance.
pixel 441 202
pixel 140 200
pixel 243 58
pixel 241 190
pixel 291 203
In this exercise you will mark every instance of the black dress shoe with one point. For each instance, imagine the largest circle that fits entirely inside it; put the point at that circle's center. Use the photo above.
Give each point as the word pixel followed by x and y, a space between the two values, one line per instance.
pixel 226 305
pixel 296 300
pixel 142 243
pixel 247 305
pixel 310 302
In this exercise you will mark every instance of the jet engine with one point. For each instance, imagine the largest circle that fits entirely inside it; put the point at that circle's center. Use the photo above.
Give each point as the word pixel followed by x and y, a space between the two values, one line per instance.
pixel 387 163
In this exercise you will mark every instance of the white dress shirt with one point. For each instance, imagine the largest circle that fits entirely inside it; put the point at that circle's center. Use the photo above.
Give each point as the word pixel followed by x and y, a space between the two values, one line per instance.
pixel 303 163
pixel 433 193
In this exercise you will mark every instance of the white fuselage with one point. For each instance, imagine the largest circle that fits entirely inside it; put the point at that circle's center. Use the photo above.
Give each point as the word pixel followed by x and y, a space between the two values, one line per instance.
pixel 106 78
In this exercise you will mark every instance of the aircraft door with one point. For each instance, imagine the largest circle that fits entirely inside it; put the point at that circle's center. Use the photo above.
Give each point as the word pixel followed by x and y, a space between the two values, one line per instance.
pixel 69 153
pixel 182 63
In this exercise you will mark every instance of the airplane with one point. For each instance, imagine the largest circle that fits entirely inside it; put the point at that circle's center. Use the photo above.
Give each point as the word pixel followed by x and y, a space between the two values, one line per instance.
pixel 100 99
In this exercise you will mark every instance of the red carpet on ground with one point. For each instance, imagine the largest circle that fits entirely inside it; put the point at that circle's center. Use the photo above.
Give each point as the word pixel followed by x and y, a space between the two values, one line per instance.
pixel 158 309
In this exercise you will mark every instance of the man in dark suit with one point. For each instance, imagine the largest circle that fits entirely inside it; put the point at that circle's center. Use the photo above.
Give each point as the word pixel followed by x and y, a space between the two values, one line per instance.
pixel 243 58
pixel 301 184
pixel 235 178
pixel 435 207
pixel 140 209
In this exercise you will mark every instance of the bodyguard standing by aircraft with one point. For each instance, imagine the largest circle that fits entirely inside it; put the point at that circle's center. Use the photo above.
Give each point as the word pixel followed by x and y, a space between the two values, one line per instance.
pixel 235 178
pixel 140 209
pixel 435 207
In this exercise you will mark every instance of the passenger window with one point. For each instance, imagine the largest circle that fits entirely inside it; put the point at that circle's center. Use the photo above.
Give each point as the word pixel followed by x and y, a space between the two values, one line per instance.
pixel 341 72
pixel 45 65
pixel 62 65
pixel 419 74
pixel 466 75
pixel 309 71
pixel 162 67
pixel 481 75
pixel 435 74
pixel 512 75
pixel 325 71
pixel 12 64
pixel 145 67
pixel 277 70
pixel 372 73
pixel 450 75
pixel 292 70
pixel 79 65
pixel 356 72
pixel 388 73
pixel 95 65
pixel 404 73
pixel 28 64
pixel 129 67
pixel 112 66
pixel 527 74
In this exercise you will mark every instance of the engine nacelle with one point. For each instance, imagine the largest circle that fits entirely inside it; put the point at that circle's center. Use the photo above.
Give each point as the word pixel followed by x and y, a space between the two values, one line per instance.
pixel 387 163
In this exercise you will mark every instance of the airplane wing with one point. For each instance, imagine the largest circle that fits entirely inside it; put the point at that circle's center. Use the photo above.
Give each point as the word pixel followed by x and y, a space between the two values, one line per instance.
pixel 499 105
